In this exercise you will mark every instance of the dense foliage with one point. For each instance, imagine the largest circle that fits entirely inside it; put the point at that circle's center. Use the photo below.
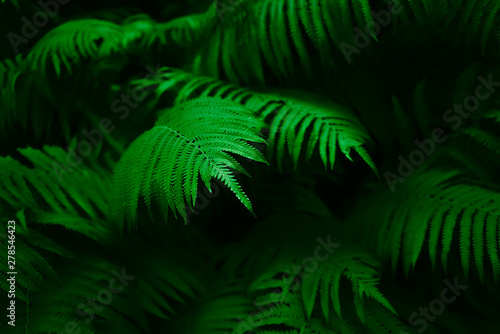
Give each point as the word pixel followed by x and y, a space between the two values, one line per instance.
pixel 250 166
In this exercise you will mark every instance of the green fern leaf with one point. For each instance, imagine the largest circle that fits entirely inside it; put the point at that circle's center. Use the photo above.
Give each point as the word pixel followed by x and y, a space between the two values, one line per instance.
pixel 189 141
pixel 440 204
pixel 22 186
pixel 329 123
pixel 487 139
pixel 71 42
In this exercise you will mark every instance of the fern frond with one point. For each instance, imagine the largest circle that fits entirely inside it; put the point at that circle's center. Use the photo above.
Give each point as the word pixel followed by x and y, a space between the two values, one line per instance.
pixel 327 122
pixel 494 114
pixel 489 23
pixel 70 43
pixel 363 14
pixel 31 264
pixel 21 103
pixel 360 269
pixel 36 190
pixel 69 302
pixel 191 140
pixel 434 207
pixel 183 32
pixel 187 86
pixel 320 287
pixel 468 10
pixel 287 32
pixel 287 312
pixel 485 138
pixel 9 73
pixel 44 186
pixel 477 150
pixel 344 17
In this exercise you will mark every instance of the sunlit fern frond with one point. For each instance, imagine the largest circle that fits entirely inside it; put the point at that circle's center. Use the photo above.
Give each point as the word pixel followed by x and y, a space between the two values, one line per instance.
pixel 189 141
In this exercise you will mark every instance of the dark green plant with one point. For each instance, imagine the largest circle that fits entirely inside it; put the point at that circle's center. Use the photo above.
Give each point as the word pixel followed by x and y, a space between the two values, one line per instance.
pixel 361 180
